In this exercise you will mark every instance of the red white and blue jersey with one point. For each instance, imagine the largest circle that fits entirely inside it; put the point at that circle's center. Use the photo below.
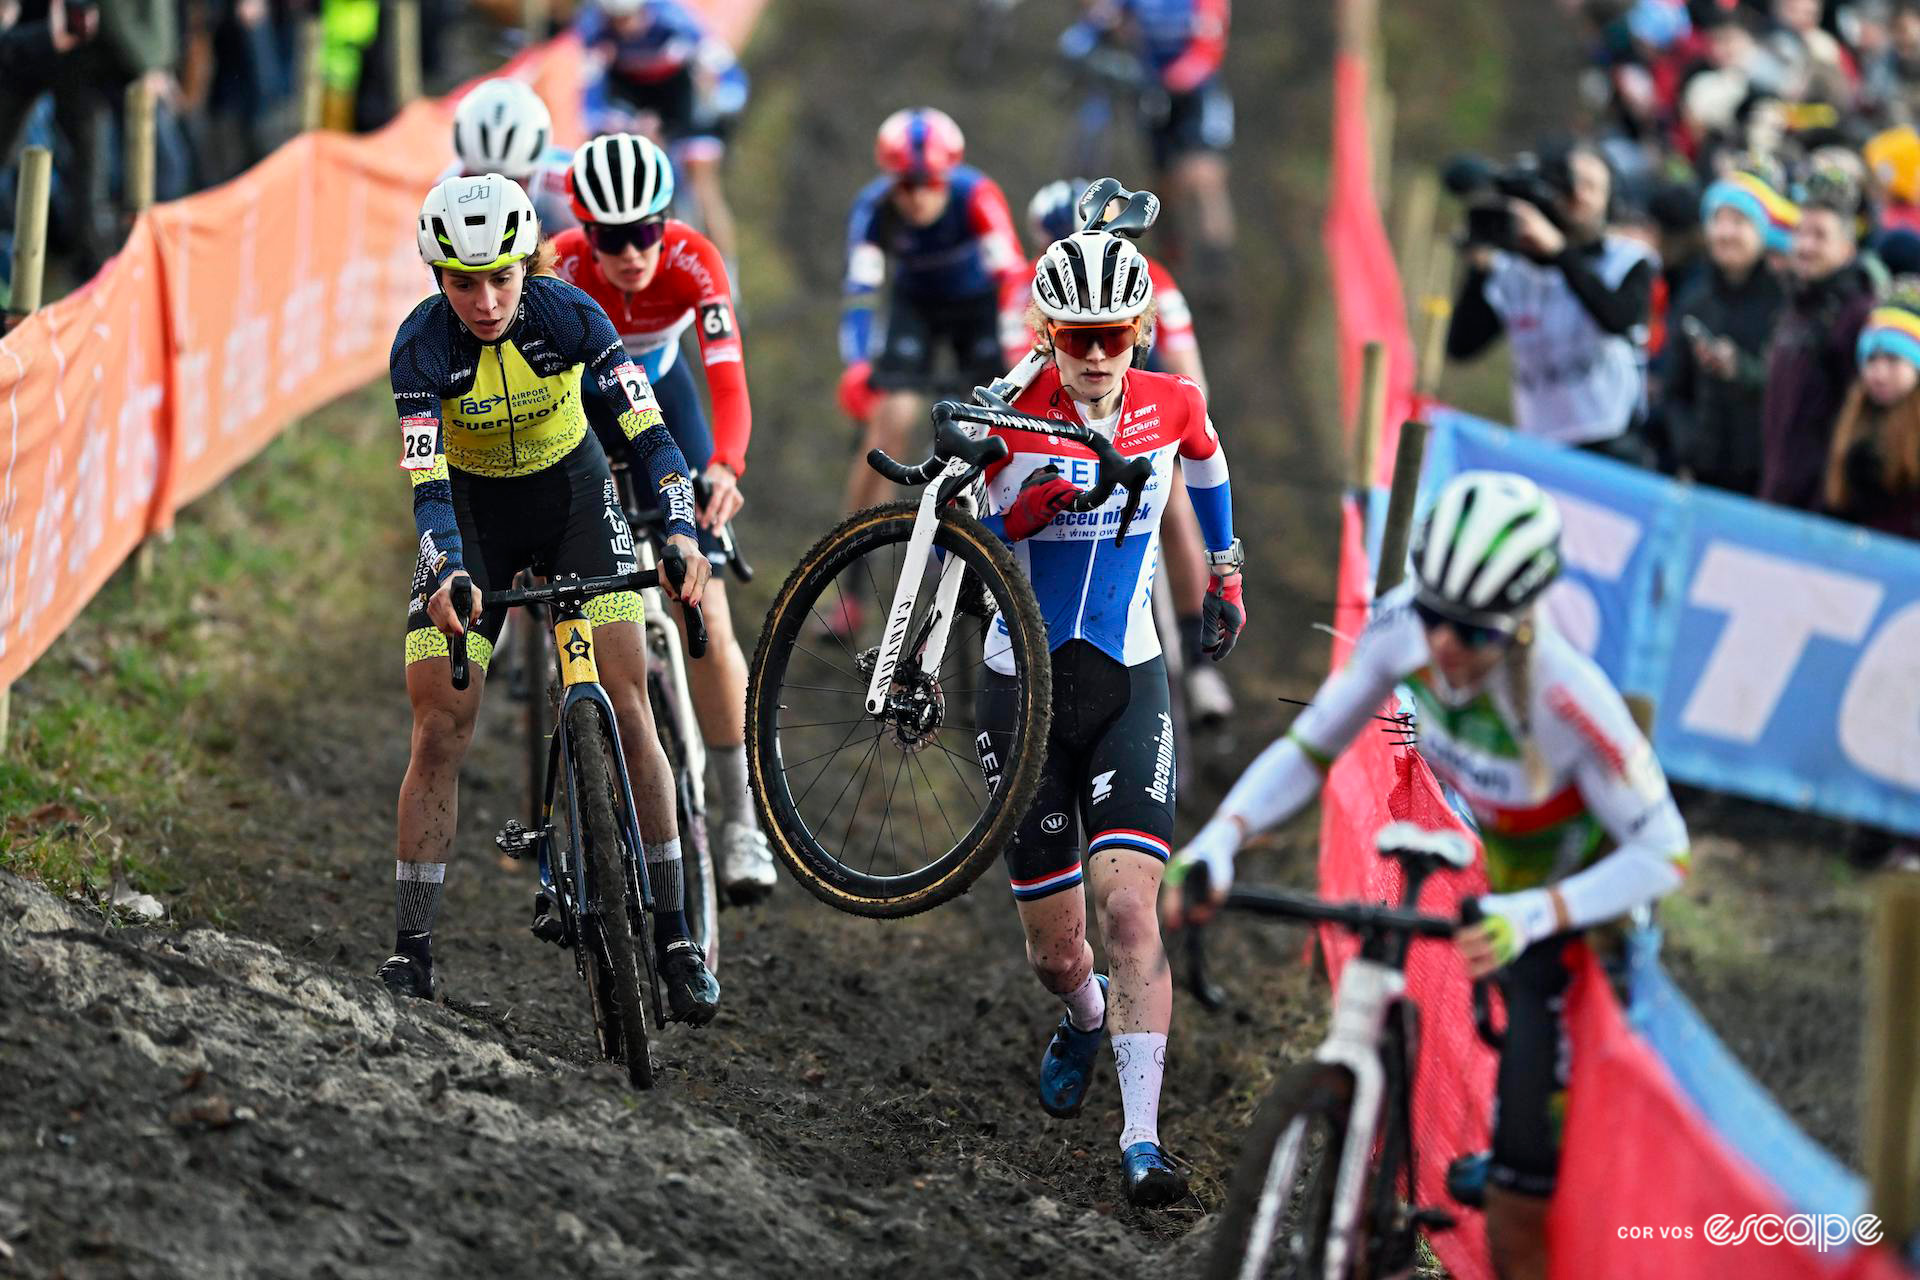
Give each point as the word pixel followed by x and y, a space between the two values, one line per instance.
pixel 669 39
pixel 1183 41
pixel 971 249
pixel 1088 588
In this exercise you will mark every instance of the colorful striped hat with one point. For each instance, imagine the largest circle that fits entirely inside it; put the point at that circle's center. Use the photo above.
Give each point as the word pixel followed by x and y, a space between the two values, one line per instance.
pixel 1893 331
pixel 1774 214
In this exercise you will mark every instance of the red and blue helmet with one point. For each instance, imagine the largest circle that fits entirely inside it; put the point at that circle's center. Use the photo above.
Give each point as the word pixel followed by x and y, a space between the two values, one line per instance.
pixel 919 144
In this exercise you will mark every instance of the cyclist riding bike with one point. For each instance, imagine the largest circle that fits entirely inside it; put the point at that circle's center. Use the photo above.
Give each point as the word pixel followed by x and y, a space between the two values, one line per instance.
pixel 1184 105
pixel 655 277
pixel 1051 216
pixel 947 232
pixel 654 68
pixel 1573 809
pixel 487 377
pixel 503 127
pixel 1110 755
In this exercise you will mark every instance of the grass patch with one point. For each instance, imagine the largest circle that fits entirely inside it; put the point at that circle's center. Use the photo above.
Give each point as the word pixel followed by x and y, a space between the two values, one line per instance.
pixel 140 712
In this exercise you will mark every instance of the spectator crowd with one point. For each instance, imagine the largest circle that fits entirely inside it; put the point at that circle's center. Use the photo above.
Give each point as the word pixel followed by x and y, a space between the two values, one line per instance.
pixel 1716 273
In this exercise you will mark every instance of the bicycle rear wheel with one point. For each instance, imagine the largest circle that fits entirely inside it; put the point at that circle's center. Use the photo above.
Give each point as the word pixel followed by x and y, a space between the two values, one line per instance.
pixel 922 822
pixel 696 847
pixel 1280 1202
pixel 605 929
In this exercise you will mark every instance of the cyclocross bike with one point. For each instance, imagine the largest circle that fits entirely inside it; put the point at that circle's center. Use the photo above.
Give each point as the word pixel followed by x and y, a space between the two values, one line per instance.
pixel 589 848
pixel 671 699
pixel 826 720
pixel 1326 1185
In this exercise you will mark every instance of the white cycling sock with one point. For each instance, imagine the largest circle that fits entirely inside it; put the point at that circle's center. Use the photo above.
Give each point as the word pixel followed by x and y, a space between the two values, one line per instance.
pixel 1086 1005
pixel 1140 1060
pixel 730 769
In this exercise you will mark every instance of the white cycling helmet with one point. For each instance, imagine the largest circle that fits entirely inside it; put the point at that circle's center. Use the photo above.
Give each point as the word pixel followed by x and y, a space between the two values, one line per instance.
pixel 1092 277
pixel 502 127
pixel 1488 548
pixel 621 8
pixel 477 224
pixel 621 177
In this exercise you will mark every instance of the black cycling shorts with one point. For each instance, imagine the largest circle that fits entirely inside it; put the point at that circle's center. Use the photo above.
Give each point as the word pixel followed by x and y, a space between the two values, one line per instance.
pixel 676 101
pixel 917 328
pixel 1198 121
pixel 686 422
pixel 565 519
pixel 1530 1098
pixel 1109 765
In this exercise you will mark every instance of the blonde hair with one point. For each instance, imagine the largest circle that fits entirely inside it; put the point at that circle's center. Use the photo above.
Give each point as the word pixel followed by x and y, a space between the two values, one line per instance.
pixel 1895 429
pixel 1038 320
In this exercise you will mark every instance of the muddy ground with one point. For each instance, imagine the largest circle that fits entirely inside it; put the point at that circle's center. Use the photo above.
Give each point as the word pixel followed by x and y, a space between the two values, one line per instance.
pixel 248 1102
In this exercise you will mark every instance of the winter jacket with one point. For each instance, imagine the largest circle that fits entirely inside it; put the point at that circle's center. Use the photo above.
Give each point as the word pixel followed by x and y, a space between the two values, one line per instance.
pixel 1809 368
pixel 1713 423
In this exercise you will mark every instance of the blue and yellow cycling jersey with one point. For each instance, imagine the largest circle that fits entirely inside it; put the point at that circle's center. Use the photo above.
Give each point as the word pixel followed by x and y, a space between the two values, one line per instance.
pixel 512 407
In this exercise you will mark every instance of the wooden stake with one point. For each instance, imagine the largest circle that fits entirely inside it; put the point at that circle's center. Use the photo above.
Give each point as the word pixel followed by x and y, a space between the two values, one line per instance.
pixel 1437 315
pixel 30 230
pixel 310 71
pixel 1380 111
pixel 1642 707
pixel 1891 1128
pixel 536 20
pixel 29 279
pixel 1373 416
pixel 139 144
pixel 1399 526
pixel 404 50
pixel 1419 206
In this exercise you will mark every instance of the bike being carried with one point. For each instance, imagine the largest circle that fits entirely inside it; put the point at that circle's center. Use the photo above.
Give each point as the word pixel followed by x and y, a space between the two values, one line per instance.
pixel 506 476
pixel 1064 679
pixel 655 277
pixel 1574 811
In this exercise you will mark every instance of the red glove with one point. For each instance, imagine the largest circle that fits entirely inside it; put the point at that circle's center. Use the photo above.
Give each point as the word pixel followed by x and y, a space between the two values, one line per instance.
pixel 857 399
pixel 1222 617
pixel 1045 495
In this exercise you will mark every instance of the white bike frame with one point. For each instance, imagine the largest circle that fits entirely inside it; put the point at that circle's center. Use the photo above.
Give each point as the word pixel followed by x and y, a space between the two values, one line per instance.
pixel 926 523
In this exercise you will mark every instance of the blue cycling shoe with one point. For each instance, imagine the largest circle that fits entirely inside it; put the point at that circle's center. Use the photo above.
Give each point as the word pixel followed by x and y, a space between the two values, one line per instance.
pixel 1152 1183
pixel 1066 1068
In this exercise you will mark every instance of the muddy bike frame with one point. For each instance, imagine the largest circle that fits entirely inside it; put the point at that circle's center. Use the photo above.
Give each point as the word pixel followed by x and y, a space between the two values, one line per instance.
pixel 1371 996
pixel 580 682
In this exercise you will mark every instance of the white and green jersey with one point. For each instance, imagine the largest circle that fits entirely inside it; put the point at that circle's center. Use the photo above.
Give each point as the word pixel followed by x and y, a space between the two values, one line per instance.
pixel 1544 754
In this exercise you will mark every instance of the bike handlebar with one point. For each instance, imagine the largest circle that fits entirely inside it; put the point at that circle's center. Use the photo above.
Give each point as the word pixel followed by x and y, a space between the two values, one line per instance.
pixel 1361 917
pixel 1115 470
pixel 572 591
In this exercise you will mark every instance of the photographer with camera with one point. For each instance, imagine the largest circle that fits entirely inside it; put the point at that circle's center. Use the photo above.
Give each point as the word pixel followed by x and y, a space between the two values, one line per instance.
pixel 1573 301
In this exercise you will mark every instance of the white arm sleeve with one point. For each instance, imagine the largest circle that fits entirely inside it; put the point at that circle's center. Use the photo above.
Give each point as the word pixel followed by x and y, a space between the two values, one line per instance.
pixel 1582 719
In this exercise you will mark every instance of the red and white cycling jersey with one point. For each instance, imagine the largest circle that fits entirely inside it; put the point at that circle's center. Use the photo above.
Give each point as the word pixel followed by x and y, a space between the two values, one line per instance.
pixel 690 287
pixel 1087 587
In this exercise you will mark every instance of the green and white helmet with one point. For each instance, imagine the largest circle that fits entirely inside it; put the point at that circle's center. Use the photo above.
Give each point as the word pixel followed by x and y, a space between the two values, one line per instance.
pixel 1488 548
pixel 477 224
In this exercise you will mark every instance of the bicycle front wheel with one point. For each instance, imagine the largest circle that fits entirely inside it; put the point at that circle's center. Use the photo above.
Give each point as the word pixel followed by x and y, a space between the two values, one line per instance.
pixel 1280 1204
pixel 613 963
pixel 889 814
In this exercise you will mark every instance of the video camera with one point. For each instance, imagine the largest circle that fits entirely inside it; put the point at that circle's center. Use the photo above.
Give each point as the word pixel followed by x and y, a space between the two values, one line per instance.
pixel 1487 188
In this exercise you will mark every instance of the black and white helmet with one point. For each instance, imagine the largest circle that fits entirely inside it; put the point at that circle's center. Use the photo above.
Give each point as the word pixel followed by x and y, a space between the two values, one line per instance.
pixel 1092 277
pixel 502 127
pixel 620 177
pixel 477 224
pixel 1488 548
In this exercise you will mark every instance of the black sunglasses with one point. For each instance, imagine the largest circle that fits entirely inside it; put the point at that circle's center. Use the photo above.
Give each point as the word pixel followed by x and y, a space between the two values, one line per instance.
pixel 1471 635
pixel 614 237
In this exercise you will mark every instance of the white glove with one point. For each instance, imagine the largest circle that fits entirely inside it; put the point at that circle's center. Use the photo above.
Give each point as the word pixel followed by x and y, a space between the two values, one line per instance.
pixel 1515 921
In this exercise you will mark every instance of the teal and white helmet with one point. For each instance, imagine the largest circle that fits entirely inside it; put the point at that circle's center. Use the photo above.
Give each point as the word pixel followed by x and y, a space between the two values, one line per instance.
pixel 477 224
pixel 1488 548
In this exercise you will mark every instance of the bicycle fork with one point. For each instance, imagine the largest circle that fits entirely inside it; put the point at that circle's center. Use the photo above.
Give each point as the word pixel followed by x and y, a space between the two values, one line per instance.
pixel 906 592
pixel 1368 992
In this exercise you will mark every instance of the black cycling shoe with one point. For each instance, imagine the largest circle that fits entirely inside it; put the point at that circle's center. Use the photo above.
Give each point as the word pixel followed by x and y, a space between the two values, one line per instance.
pixel 693 994
pixel 407 976
pixel 548 924
pixel 1152 1183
